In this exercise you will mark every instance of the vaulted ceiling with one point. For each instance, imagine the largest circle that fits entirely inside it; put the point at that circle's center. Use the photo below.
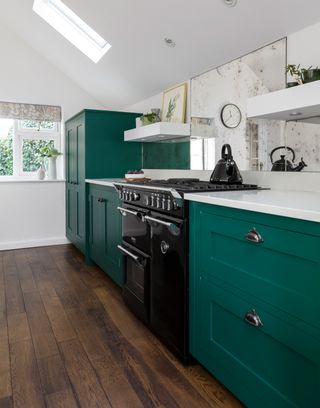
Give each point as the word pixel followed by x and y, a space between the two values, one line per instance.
pixel 139 64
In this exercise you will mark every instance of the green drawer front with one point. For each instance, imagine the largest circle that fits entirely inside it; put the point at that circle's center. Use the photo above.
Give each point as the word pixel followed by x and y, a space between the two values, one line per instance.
pixel 272 366
pixel 283 271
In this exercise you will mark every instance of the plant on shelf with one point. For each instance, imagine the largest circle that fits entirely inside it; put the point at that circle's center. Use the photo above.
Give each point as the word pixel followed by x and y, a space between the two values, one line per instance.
pixel 148 118
pixel 310 74
pixel 302 75
pixel 295 72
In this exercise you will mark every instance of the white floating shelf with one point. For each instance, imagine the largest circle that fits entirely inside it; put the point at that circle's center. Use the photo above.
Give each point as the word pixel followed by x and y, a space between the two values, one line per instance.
pixel 300 103
pixel 158 132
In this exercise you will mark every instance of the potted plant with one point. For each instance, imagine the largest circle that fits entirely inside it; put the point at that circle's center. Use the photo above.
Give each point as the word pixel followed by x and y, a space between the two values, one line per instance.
pixel 302 75
pixel 51 153
pixel 148 118
pixel 295 72
pixel 310 74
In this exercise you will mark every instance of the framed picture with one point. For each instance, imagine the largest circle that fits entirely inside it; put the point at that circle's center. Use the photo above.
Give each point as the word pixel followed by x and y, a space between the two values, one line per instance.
pixel 174 104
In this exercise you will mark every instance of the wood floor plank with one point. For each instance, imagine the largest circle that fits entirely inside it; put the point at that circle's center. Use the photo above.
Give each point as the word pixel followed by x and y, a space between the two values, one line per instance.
pixel 42 335
pixel 24 271
pixel 26 384
pixel 53 374
pixel 84 380
pixel 13 293
pixel 18 327
pixel 6 402
pixel 5 372
pixel 62 399
pixel 61 326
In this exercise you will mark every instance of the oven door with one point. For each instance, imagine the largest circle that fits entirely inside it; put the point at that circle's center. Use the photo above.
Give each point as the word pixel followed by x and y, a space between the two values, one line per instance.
pixel 135 230
pixel 136 281
pixel 169 281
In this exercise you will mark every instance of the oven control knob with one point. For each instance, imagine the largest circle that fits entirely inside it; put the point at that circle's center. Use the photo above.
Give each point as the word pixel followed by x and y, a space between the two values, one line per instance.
pixel 130 196
pixel 146 200
pixel 163 204
pixel 153 201
pixel 136 196
pixel 169 204
pixel 120 195
pixel 158 202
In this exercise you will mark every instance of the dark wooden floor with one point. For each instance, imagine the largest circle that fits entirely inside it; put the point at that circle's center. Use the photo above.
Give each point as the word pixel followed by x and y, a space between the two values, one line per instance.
pixel 67 340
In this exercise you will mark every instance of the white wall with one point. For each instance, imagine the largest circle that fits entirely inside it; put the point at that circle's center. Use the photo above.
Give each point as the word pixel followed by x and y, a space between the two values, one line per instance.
pixel 33 213
pixel 303 47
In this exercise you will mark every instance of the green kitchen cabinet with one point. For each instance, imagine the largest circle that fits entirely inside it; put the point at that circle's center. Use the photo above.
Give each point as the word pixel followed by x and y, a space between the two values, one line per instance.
pixel 95 148
pixel 105 231
pixel 236 284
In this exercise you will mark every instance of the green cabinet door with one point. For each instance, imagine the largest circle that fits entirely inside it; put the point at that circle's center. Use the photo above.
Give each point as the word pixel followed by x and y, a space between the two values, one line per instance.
pixel 276 364
pixel 70 212
pixel 105 231
pixel 75 187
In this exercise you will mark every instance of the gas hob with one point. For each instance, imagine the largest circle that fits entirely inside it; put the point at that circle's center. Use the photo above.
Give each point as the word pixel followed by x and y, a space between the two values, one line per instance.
pixel 186 185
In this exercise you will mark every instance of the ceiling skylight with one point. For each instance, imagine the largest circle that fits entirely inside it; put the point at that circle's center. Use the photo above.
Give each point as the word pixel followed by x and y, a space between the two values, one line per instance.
pixel 75 30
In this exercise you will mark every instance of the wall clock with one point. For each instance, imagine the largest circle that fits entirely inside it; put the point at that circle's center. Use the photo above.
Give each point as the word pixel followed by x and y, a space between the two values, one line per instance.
pixel 230 116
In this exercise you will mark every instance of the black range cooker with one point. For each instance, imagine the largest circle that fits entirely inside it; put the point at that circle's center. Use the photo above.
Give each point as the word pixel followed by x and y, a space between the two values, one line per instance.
pixel 155 246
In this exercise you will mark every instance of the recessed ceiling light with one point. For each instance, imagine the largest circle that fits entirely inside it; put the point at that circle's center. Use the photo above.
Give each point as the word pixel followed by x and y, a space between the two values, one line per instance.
pixel 75 30
pixel 230 3
pixel 169 42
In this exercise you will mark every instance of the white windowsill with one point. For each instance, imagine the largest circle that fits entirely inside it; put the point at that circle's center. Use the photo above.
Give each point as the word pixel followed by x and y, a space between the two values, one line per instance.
pixel 30 180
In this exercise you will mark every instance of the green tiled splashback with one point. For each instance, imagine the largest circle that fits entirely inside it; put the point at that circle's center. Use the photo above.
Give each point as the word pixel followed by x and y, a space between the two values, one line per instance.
pixel 166 155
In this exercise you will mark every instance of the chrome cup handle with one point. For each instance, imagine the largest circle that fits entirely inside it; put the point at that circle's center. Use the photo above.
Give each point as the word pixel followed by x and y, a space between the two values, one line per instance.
pixel 252 318
pixel 254 236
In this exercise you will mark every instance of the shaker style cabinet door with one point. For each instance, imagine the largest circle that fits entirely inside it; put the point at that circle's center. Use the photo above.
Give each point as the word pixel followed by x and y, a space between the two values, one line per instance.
pixel 105 231
pixel 75 188
pixel 254 302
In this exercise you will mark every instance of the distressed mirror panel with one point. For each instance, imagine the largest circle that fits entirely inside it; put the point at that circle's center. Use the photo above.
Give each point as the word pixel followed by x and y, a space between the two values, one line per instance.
pixel 252 141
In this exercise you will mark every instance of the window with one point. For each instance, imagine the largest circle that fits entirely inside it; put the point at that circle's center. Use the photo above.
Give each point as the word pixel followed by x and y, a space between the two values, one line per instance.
pixel 75 30
pixel 21 144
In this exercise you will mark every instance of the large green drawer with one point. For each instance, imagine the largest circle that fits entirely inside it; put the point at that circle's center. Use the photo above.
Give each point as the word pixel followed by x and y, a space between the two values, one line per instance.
pixel 283 270
pixel 276 365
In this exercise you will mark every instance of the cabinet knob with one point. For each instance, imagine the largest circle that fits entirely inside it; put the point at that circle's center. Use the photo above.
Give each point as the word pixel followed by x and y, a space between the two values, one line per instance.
pixel 252 318
pixel 254 236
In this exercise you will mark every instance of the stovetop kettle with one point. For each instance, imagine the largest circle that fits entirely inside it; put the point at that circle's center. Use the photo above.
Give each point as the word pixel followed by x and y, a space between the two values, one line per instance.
pixel 226 170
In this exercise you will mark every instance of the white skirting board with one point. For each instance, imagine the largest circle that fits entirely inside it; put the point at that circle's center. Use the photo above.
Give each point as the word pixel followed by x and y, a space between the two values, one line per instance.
pixel 4 246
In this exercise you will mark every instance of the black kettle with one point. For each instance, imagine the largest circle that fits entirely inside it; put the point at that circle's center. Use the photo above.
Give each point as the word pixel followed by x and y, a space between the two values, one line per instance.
pixel 226 170
pixel 283 164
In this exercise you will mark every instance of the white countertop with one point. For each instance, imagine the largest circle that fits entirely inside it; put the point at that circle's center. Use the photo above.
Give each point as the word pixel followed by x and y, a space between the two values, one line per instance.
pixel 106 182
pixel 294 204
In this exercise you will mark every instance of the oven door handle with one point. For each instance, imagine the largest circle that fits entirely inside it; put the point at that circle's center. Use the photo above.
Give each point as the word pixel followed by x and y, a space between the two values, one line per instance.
pixel 170 225
pixel 124 211
pixel 126 252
